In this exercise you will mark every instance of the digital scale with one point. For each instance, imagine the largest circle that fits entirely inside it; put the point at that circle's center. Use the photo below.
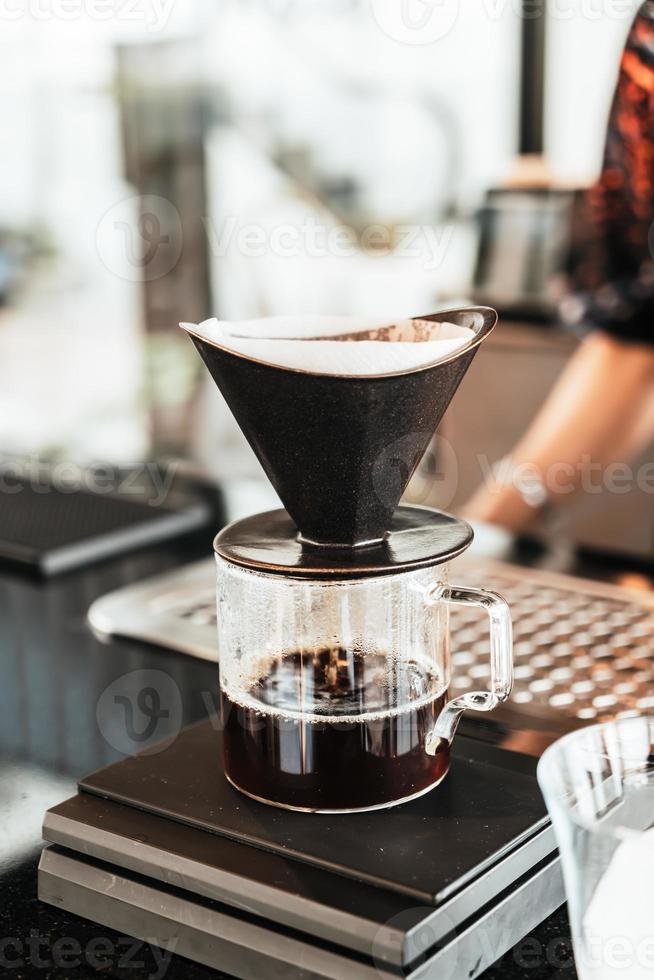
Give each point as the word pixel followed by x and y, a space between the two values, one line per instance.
pixel 159 846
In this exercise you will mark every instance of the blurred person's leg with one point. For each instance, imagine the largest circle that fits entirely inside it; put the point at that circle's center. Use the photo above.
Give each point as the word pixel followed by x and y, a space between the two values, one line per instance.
pixel 600 411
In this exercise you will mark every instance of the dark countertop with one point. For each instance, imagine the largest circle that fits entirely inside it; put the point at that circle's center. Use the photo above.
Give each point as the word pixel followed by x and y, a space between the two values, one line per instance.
pixel 53 674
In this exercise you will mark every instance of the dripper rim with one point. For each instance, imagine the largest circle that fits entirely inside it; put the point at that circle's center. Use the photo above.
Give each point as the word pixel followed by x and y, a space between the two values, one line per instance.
pixel 490 318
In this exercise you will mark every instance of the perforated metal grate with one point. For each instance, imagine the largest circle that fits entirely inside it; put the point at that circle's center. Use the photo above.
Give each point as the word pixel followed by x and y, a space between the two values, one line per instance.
pixel 577 650
pixel 583 651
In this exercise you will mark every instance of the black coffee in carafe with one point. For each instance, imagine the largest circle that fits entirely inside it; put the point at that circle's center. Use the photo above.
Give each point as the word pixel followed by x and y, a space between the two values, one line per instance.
pixel 367 749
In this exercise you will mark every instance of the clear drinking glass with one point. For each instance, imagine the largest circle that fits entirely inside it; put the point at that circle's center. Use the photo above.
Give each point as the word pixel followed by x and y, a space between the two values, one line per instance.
pixel 598 784
pixel 334 691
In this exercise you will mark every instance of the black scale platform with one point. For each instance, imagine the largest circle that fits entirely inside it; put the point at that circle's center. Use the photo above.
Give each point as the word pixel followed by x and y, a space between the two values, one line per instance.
pixel 159 845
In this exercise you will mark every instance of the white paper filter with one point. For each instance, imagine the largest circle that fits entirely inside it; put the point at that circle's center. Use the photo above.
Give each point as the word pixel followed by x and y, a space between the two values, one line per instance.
pixel 318 344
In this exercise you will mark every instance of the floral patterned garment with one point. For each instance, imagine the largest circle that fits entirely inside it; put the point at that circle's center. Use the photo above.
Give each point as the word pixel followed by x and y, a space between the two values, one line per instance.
pixel 612 266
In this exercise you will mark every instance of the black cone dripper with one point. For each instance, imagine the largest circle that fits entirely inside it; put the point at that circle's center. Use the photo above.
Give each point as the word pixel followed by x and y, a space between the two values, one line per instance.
pixel 338 449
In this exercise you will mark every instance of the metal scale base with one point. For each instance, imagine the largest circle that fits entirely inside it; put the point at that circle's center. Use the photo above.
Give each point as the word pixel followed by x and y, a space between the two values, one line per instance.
pixel 160 847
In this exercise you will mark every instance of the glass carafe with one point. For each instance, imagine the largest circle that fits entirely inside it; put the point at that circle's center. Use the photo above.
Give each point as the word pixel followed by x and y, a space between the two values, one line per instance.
pixel 334 691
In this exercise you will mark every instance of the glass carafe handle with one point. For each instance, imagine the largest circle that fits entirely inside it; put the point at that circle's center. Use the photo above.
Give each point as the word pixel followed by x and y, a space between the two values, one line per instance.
pixel 501 660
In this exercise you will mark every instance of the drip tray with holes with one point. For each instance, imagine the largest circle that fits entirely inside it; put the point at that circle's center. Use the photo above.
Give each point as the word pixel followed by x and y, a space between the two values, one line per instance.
pixel 584 651
pixel 160 846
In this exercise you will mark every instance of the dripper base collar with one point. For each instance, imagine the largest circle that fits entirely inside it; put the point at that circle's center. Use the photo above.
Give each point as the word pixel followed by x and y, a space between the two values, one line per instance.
pixel 419 537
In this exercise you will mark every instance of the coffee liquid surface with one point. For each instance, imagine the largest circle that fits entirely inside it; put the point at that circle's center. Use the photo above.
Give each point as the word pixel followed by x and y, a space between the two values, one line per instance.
pixel 334 729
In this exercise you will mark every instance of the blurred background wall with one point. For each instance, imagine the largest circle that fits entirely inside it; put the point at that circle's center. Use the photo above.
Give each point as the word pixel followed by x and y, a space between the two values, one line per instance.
pixel 165 160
